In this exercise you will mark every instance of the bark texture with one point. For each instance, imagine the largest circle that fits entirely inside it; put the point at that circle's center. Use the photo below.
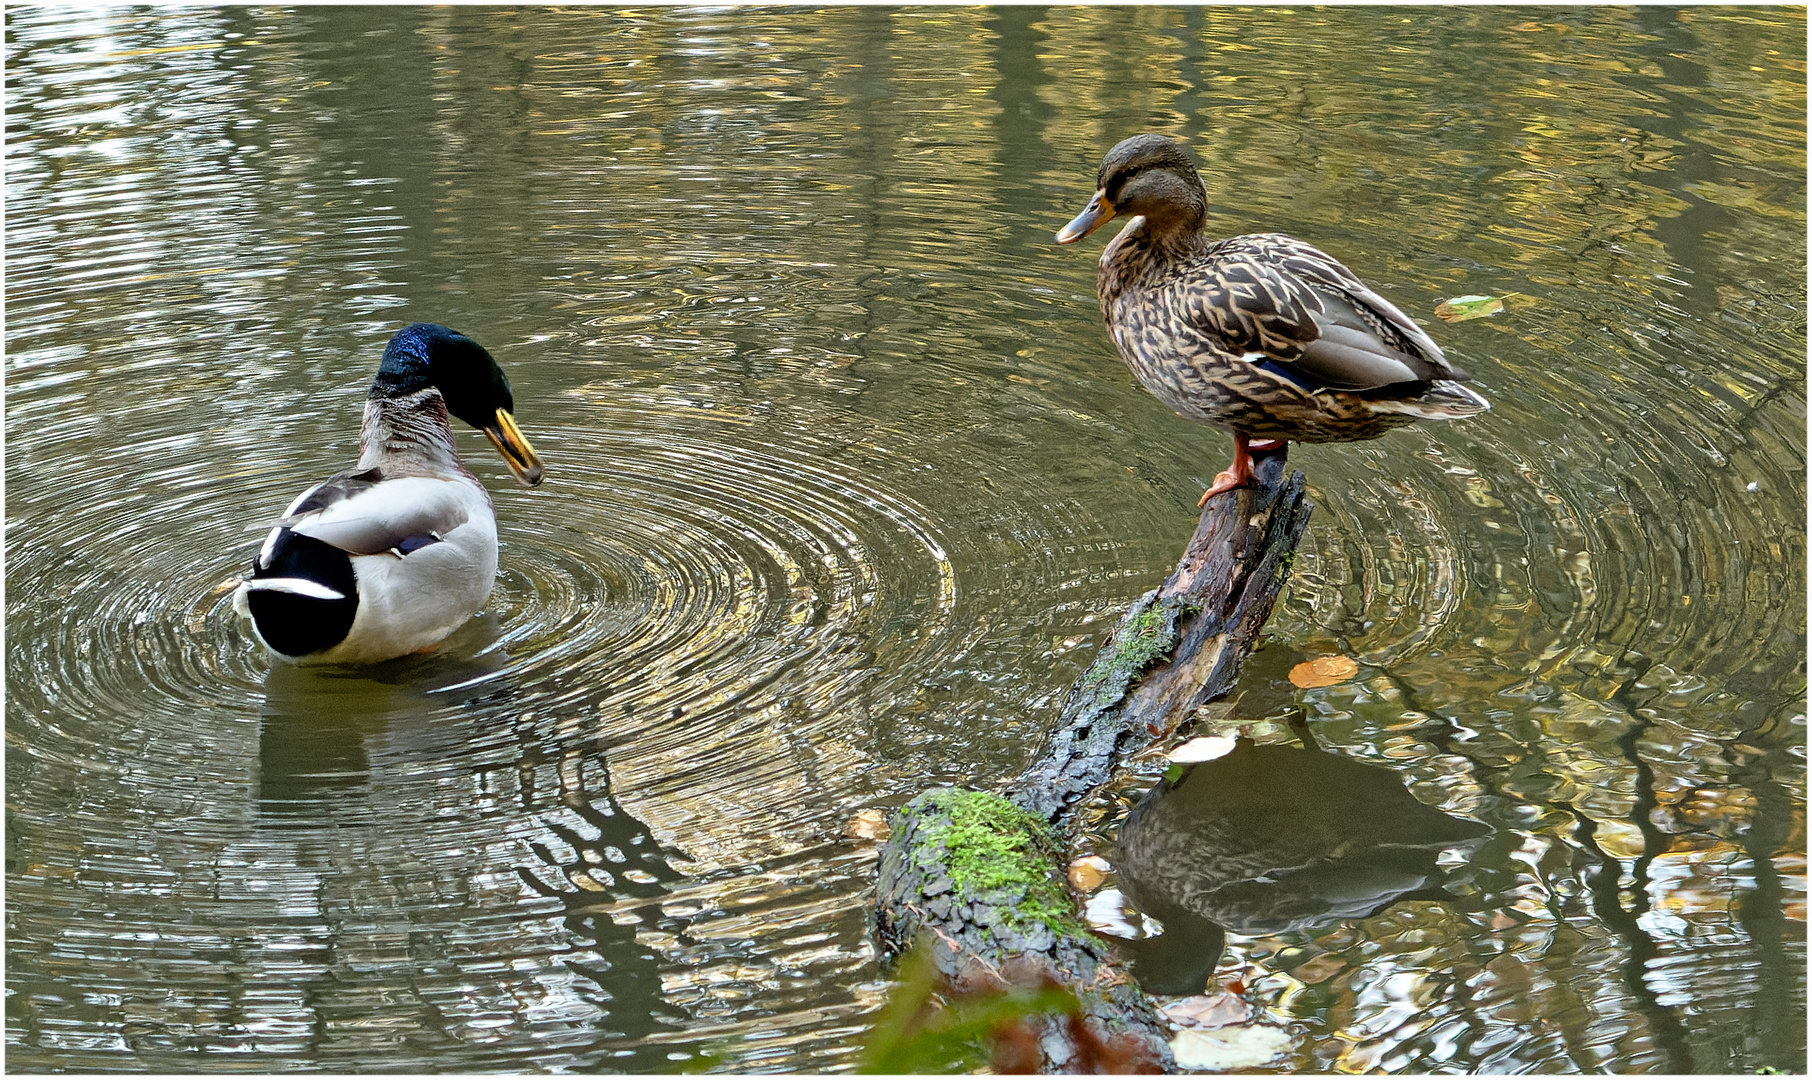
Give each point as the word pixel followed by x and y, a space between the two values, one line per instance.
pixel 1179 646
pixel 981 876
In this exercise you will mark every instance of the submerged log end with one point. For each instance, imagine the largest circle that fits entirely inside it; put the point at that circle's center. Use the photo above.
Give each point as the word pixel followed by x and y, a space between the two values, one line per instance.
pixel 981 881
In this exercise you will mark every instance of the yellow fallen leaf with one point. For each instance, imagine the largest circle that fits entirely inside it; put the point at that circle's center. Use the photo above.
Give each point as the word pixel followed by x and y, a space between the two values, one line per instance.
pixel 1323 671
pixel 868 824
pixel 1088 872
pixel 1461 308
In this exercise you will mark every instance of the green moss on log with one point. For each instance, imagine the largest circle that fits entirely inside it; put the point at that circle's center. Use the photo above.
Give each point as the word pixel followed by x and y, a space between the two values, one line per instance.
pixel 1143 639
pixel 1000 856
pixel 1147 634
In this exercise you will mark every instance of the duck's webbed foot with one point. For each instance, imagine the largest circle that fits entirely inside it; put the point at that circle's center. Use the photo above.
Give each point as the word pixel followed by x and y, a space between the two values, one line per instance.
pixel 1239 474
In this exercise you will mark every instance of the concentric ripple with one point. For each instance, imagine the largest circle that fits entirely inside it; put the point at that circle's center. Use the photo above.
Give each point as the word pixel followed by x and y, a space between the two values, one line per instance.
pixel 844 487
pixel 712 554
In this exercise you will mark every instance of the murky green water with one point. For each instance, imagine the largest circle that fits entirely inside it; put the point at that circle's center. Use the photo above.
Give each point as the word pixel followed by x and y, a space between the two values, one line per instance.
pixel 844 485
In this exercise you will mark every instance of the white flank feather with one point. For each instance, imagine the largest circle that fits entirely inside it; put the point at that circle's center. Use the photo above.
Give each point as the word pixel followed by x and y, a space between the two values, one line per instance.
pixel 296 585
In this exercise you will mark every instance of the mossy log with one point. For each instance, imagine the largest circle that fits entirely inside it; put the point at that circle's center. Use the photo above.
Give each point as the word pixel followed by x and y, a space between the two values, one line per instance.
pixel 1179 646
pixel 982 876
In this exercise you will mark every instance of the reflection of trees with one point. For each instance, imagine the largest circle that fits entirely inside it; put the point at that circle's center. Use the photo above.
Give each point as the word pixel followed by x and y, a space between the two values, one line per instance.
pixel 1607 912
pixel 387 948
pixel 672 184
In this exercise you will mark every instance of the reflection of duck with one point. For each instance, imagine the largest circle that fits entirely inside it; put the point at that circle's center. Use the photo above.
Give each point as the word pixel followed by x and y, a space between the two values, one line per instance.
pixel 1236 844
pixel 316 722
pixel 355 803
pixel 392 556
pixel 1261 335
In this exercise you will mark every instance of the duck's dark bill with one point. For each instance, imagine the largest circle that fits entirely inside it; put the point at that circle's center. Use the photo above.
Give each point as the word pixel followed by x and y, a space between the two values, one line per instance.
pixel 1092 217
pixel 515 448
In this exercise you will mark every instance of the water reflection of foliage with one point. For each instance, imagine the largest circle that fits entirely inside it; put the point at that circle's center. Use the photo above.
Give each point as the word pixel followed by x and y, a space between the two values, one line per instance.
pixel 1614 891
pixel 1625 695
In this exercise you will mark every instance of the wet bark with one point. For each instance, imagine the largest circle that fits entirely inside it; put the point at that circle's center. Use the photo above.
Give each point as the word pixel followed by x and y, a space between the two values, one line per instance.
pixel 1178 647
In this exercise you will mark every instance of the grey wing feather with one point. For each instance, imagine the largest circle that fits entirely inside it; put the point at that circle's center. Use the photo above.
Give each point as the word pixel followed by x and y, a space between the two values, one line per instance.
pixel 367 515
pixel 335 489
pixel 323 495
pixel 1314 318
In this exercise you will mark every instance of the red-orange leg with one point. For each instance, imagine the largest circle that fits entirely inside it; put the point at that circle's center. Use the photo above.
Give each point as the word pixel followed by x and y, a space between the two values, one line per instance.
pixel 1239 474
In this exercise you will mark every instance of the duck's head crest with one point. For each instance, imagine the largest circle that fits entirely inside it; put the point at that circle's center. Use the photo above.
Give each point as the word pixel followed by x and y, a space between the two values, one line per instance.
pixel 1149 176
pixel 474 387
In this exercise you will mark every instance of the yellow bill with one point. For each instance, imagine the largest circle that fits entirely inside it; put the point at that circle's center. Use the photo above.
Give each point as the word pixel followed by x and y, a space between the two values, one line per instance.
pixel 515 448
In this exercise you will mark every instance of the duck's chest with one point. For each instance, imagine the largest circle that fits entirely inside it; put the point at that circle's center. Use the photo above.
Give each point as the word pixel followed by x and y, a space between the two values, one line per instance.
pixel 1182 365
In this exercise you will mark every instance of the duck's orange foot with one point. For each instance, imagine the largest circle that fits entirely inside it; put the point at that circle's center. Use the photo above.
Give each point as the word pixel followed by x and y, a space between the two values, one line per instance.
pixel 1226 481
pixel 1238 474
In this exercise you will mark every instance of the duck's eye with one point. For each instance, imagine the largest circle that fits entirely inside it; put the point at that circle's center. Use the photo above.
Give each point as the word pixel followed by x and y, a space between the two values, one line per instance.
pixel 1124 177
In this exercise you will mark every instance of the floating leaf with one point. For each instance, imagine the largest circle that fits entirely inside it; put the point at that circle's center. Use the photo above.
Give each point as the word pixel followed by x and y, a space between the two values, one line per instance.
pixel 1088 872
pixel 1323 671
pixel 1209 1010
pixel 1461 308
pixel 1229 1048
pixel 1318 970
pixel 1206 748
pixel 867 825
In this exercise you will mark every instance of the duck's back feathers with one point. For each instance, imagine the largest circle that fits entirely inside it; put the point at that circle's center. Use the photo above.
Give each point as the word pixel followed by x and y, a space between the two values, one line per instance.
pixel 1304 311
pixel 366 566
pixel 367 513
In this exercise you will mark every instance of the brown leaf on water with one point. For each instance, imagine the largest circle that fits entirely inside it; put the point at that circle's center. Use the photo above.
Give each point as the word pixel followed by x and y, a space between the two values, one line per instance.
pixel 1320 969
pixel 1323 671
pixel 1461 308
pixel 1209 1010
pixel 870 824
pixel 1088 872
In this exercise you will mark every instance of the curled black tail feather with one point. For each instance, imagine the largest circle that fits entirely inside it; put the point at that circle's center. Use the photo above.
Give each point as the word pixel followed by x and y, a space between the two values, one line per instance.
pixel 290 622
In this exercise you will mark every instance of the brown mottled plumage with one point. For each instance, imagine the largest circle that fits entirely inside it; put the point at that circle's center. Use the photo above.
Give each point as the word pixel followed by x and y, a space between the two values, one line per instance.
pixel 1262 335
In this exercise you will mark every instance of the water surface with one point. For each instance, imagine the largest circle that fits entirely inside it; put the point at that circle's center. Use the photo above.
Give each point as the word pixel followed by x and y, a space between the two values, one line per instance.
pixel 844 487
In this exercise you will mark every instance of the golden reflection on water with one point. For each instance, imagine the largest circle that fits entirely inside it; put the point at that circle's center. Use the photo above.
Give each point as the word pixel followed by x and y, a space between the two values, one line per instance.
pixel 845 483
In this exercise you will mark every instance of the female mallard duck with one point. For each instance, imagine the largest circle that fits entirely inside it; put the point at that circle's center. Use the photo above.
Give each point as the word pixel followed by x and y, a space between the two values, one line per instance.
pixel 399 551
pixel 1262 335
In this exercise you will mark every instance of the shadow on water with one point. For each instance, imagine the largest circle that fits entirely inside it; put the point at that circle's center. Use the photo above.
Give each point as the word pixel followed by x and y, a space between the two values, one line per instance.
pixel 1273 839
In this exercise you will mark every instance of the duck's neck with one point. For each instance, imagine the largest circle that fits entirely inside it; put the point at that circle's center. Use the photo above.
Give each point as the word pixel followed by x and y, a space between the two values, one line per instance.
pixel 409 434
pixel 1146 251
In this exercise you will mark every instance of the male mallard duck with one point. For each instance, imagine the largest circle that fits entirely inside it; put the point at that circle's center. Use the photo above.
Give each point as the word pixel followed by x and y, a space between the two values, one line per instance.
pixel 1262 335
pixel 396 553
